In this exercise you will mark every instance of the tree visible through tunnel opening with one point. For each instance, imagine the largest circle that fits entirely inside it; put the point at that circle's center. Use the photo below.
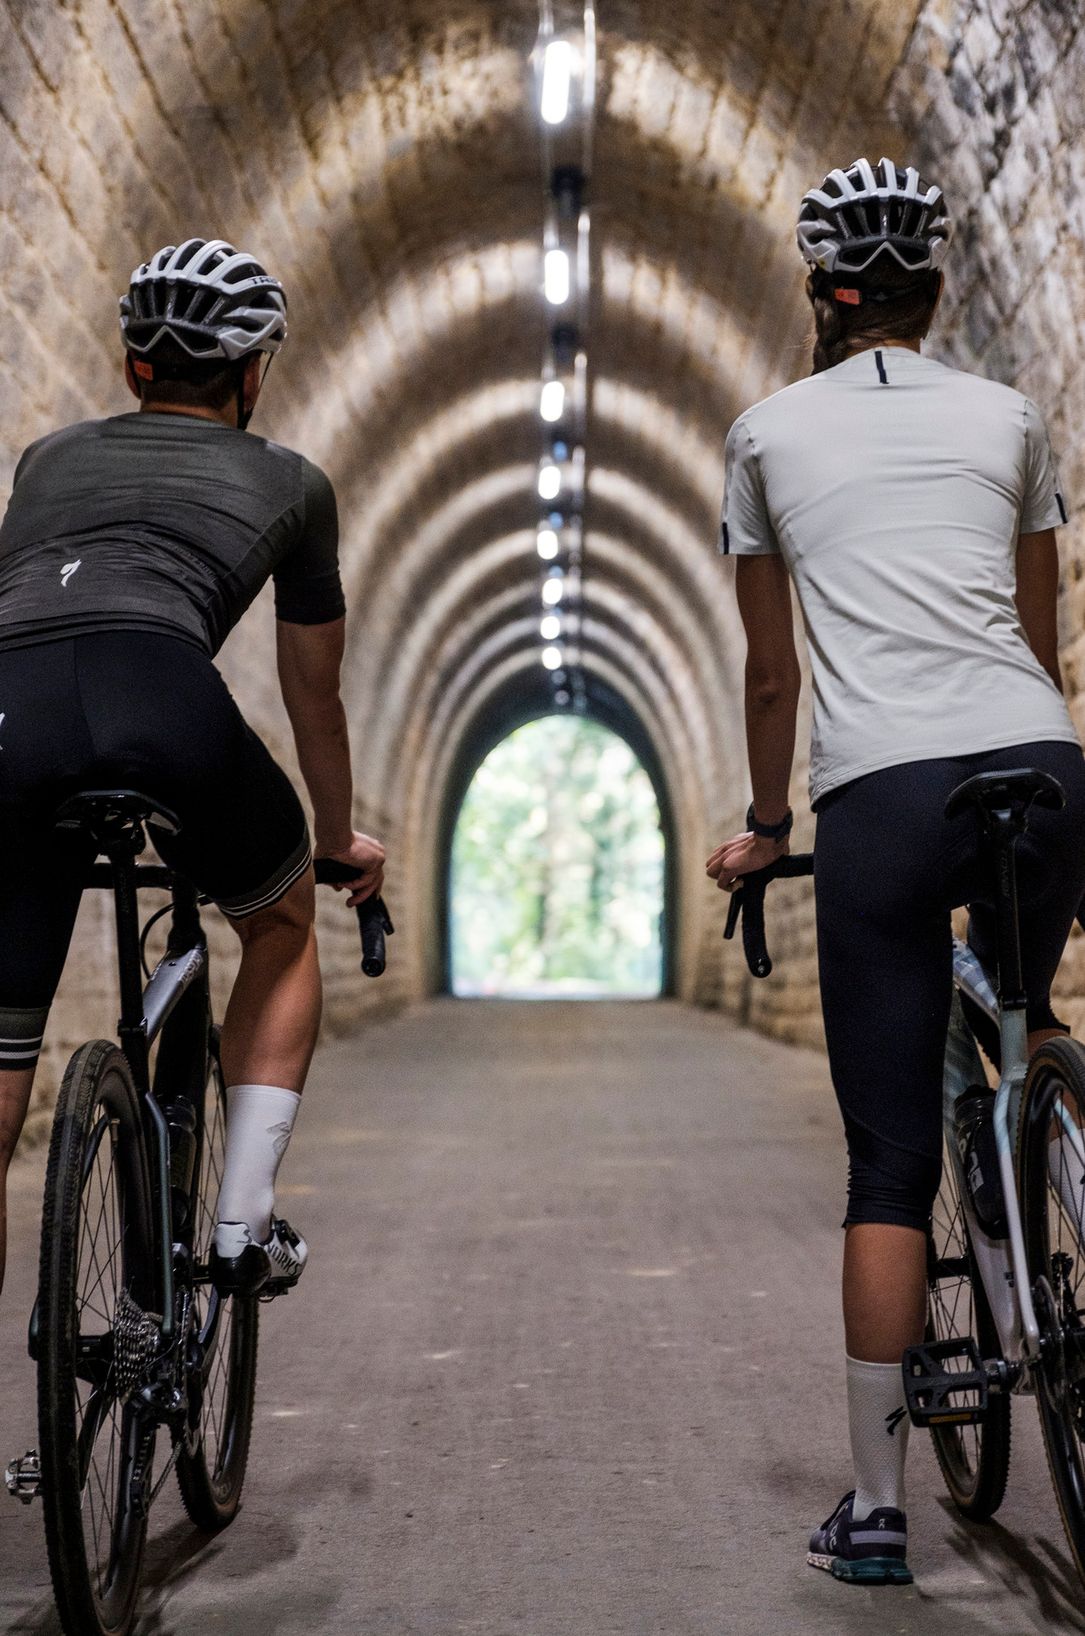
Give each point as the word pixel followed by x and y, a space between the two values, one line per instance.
pixel 557 868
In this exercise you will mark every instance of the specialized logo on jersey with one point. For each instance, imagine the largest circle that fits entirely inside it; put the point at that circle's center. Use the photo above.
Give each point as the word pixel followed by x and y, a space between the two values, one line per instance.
pixel 3 718
pixel 69 569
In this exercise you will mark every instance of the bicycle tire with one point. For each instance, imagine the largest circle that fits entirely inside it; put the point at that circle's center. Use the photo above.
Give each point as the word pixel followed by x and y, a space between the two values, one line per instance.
pixel 212 1460
pixel 974 1460
pixel 1057 1070
pixel 95 1523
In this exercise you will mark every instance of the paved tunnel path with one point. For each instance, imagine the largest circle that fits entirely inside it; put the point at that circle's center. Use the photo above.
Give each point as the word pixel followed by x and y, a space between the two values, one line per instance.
pixel 567 1359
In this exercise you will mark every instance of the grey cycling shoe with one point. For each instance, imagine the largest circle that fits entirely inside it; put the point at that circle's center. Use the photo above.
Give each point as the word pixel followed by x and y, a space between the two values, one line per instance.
pixel 241 1266
pixel 871 1552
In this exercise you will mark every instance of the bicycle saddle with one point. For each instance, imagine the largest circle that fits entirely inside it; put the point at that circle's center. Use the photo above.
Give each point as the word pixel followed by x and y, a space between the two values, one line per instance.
pixel 105 812
pixel 1020 787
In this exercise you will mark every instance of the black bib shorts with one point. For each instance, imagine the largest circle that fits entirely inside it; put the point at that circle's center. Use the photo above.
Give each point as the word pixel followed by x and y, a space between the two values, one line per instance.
pixel 131 710
pixel 888 870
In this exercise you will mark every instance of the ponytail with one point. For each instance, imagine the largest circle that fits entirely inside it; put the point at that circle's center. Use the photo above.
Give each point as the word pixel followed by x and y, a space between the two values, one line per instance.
pixel 830 331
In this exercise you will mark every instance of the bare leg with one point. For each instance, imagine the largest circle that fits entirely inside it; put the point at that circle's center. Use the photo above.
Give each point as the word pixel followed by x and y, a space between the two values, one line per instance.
pixel 15 1085
pixel 885 1290
pixel 273 1017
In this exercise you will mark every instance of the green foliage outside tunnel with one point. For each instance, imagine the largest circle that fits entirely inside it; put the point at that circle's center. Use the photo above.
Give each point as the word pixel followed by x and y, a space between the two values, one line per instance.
pixel 557 867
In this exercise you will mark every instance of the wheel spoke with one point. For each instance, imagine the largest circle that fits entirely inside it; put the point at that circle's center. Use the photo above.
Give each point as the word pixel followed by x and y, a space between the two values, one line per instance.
pixel 973 1458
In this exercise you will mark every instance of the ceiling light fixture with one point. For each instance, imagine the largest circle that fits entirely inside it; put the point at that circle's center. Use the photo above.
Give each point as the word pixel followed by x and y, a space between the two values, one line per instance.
pixel 552 400
pixel 556 82
pixel 556 281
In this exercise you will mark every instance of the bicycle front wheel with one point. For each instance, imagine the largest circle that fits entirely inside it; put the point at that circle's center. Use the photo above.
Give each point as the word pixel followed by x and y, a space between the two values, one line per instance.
pixel 222 1346
pixel 95 1339
pixel 1051 1174
pixel 974 1460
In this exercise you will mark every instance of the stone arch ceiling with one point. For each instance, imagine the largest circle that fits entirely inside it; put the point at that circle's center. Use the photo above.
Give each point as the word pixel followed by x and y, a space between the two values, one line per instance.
pixel 386 162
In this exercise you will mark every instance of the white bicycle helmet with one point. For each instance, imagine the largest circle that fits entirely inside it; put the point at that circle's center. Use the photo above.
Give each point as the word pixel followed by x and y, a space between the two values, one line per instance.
pixel 212 300
pixel 859 214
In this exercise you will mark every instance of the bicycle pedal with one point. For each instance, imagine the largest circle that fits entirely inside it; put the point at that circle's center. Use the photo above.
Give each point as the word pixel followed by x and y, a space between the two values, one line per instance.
pixel 938 1394
pixel 23 1477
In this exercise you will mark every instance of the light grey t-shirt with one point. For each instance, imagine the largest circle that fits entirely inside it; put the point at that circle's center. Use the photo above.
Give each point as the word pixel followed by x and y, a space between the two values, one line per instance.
pixel 895 489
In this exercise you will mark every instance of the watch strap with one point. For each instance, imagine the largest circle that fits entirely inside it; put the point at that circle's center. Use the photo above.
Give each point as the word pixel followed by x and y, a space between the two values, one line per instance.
pixel 770 832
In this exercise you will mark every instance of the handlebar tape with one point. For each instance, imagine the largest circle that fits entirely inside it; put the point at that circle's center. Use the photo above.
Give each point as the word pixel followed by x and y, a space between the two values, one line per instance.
pixel 748 901
pixel 374 921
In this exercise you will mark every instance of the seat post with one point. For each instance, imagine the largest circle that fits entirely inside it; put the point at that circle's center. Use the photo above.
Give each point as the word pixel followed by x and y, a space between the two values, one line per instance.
pixel 130 1028
pixel 1003 825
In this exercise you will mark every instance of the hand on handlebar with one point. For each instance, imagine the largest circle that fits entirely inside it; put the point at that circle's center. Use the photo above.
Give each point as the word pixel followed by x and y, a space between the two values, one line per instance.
pixel 741 855
pixel 367 856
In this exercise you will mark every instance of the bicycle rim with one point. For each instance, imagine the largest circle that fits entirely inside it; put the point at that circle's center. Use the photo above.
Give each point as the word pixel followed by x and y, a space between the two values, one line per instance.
pixel 94 1339
pixel 222 1349
pixel 974 1460
pixel 1052 1208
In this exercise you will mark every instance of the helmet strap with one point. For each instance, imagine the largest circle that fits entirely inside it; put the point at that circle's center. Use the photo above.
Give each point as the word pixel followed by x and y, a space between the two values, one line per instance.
pixel 245 415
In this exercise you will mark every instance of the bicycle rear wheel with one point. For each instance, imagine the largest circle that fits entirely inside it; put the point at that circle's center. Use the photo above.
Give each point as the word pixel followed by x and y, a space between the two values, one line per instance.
pixel 94 1341
pixel 222 1347
pixel 1051 1176
pixel 975 1460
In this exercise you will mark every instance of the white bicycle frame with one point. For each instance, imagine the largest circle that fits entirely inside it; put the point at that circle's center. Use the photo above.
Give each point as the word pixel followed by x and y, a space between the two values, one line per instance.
pixel 1001 1262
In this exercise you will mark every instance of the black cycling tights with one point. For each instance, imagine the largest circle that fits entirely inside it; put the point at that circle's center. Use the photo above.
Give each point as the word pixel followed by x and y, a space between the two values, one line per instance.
pixel 888 870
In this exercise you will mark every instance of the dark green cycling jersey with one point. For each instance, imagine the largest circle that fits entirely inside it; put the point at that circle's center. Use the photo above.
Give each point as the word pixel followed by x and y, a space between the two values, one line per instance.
pixel 163 522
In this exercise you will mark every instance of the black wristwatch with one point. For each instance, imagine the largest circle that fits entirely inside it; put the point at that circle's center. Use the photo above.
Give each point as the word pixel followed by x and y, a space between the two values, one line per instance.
pixel 771 832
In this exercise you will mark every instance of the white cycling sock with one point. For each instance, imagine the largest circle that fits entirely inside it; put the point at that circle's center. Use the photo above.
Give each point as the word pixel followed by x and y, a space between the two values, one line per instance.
pixel 259 1120
pixel 878 1422
pixel 1066 1164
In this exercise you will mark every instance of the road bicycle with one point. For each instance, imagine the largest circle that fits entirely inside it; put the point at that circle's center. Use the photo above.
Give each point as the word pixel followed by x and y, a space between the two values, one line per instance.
pixel 130 1338
pixel 1006 1250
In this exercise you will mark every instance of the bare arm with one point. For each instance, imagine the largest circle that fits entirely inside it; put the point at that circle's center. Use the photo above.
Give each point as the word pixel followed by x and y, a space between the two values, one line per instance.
pixel 763 588
pixel 1038 597
pixel 309 658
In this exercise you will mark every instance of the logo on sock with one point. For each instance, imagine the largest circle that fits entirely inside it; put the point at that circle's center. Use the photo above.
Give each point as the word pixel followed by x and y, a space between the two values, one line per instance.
pixel 892 1421
pixel 281 1134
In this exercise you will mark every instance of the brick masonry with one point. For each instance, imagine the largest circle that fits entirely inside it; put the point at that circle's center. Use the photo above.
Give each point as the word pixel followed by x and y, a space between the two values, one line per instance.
pixel 386 162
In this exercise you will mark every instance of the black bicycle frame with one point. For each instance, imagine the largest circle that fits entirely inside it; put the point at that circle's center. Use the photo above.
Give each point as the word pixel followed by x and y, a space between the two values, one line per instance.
pixel 176 1004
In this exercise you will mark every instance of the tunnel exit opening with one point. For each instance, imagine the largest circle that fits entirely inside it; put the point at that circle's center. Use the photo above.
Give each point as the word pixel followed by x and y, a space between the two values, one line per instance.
pixel 558 869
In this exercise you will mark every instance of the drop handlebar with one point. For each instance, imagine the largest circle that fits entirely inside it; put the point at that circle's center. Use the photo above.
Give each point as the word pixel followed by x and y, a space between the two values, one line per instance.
pixel 748 901
pixel 374 921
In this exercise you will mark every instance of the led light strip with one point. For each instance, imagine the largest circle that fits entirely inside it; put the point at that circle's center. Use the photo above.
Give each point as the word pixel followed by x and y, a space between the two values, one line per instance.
pixel 565 73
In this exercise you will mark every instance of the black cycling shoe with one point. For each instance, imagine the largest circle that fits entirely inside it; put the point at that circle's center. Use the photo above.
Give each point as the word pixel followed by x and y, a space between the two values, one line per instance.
pixel 240 1266
pixel 870 1552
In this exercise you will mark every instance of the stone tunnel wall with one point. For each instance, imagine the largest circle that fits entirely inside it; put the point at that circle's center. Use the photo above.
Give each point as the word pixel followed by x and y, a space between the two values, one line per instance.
pixel 386 161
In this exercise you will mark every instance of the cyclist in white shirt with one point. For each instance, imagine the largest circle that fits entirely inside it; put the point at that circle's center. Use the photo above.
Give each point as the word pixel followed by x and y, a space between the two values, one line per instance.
pixel 913 508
